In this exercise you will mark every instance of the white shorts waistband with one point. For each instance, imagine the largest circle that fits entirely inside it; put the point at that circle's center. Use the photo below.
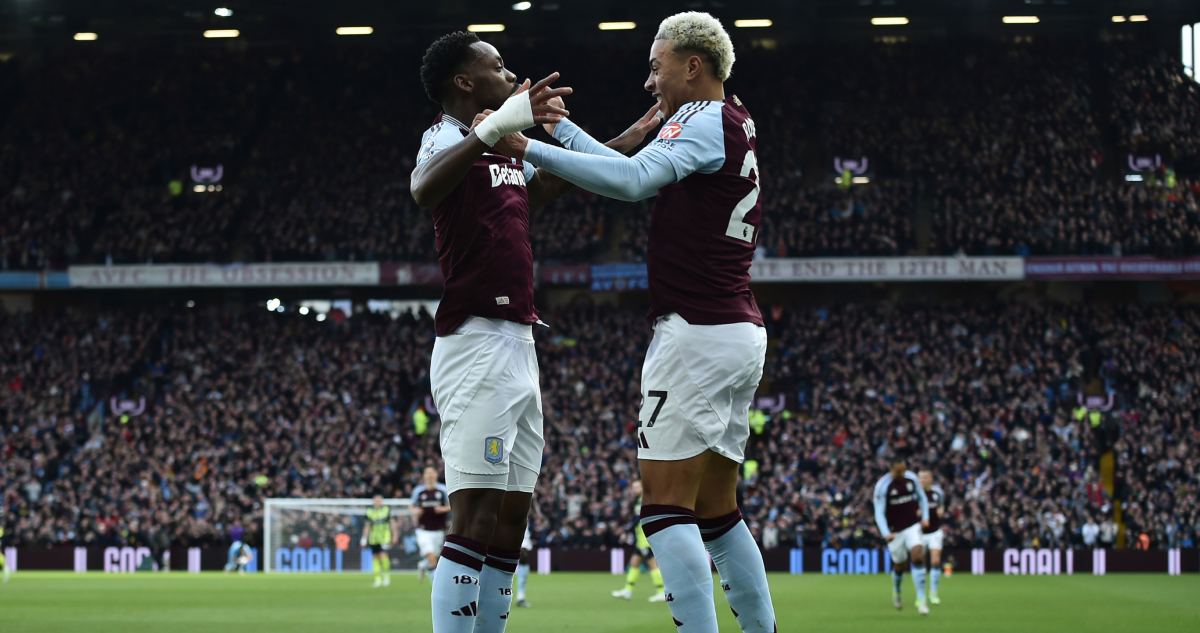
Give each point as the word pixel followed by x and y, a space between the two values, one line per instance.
pixel 523 331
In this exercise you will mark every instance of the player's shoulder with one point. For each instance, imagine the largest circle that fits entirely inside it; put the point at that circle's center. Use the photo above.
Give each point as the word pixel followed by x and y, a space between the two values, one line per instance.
pixel 694 120
pixel 697 111
pixel 445 123
pixel 908 474
pixel 444 132
pixel 938 489
pixel 884 481
pixel 418 490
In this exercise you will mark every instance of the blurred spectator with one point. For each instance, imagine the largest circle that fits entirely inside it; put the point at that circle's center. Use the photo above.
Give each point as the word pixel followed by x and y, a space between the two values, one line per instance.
pixel 259 404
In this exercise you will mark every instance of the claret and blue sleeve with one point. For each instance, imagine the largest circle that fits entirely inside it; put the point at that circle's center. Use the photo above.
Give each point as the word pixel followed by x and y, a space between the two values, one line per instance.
pixel 692 141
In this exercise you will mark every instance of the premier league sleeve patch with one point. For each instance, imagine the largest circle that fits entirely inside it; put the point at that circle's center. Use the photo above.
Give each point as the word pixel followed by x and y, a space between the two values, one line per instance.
pixel 493 450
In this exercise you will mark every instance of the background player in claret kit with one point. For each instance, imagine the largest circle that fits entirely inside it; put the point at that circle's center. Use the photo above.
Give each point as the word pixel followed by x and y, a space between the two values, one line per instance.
pixel 642 554
pixel 705 361
pixel 484 372
pixel 901 511
pixel 380 535
pixel 933 534
pixel 434 503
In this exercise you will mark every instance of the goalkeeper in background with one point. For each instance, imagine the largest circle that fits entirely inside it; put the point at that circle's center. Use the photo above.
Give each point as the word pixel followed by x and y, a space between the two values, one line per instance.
pixel 380 534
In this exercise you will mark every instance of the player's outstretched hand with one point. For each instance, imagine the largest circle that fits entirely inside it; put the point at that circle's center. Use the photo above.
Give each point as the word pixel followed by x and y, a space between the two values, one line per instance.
pixel 526 107
pixel 632 137
pixel 541 96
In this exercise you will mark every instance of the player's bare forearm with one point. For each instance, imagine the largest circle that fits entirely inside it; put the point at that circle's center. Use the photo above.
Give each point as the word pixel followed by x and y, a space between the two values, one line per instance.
pixel 433 180
pixel 442 509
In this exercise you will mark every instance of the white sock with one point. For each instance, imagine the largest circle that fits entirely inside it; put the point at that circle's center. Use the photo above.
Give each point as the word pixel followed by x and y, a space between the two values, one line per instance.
pixel 935 577
pixel 918 576
pixel 455 595
pixel 495 590
pixel 743 576
pixel 687 577
pixel 522 580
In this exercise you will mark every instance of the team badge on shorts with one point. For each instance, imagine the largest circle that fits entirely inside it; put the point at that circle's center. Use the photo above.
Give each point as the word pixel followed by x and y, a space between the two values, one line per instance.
pixel 493 450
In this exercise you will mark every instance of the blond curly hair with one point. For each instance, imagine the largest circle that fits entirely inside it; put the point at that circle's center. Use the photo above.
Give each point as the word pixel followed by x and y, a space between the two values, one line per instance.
pixel 701 33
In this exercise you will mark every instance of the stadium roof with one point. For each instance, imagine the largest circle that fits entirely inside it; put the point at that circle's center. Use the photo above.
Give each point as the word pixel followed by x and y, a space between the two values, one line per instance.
pixel 23 22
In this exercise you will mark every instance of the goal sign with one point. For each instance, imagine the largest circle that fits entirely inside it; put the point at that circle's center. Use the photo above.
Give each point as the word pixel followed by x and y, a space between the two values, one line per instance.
pixel 324 535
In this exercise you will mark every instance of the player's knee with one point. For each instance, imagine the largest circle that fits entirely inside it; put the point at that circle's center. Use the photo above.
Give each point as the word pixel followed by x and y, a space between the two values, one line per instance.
pixel 935 557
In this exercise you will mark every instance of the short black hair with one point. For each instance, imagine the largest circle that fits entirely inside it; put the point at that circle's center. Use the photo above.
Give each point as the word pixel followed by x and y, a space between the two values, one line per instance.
pixel 445 57
pixel 899 458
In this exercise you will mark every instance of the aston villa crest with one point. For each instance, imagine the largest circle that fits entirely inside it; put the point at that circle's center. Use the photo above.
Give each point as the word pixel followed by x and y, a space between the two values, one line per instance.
pixel 493 450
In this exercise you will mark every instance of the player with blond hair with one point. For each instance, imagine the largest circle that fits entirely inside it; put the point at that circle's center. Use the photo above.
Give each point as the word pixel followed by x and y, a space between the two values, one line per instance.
pixel 705 361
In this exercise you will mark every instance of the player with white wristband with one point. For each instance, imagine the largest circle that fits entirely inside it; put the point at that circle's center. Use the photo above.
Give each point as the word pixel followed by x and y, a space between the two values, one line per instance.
pixel 483 372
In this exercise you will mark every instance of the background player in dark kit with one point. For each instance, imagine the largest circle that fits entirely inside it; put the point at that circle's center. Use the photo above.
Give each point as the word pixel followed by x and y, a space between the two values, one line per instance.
pixel 933 533
pixel 901 511
pixel 432 500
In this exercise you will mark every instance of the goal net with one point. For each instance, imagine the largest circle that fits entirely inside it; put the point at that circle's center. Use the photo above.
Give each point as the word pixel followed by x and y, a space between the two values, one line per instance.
pixel 324 535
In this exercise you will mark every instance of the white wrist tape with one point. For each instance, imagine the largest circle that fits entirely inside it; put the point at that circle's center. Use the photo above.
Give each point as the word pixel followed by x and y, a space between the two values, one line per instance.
pixel 514 116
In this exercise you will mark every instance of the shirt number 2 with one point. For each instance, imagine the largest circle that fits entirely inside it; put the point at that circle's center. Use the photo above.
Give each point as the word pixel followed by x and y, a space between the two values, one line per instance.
pixel 738 228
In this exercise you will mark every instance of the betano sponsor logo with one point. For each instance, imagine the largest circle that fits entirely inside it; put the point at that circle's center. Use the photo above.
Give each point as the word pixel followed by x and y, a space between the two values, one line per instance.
pixel 506 175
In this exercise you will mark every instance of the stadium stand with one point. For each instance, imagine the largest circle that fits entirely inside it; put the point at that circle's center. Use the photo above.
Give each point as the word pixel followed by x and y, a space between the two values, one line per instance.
pixel 999 148
pixel 241 407
pixel 994 148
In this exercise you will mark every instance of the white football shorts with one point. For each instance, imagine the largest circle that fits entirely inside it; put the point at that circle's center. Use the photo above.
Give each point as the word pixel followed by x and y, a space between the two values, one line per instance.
pixel 430 541
pixel 486 389
pixel 698 382
pixel 933 540
pixel 905 541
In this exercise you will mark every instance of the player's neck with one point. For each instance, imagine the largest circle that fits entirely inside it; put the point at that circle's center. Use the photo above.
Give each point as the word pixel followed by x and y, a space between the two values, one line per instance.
pixel 708 90
pixel 463 111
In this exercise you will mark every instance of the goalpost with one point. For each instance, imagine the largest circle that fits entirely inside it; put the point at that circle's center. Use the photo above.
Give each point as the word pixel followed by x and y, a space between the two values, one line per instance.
pixel 324 535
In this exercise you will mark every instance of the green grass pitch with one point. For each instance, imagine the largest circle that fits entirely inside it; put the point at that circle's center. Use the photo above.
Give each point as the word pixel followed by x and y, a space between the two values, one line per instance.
pixel 51 602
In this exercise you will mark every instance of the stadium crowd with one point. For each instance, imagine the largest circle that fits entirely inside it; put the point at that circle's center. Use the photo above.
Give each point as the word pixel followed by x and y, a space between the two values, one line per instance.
pixel 1002 148
pixel 240 407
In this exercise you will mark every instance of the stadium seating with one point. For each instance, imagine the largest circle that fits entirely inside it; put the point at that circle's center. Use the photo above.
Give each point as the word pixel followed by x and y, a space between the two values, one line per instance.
pixel 242 407
pixel 998 148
